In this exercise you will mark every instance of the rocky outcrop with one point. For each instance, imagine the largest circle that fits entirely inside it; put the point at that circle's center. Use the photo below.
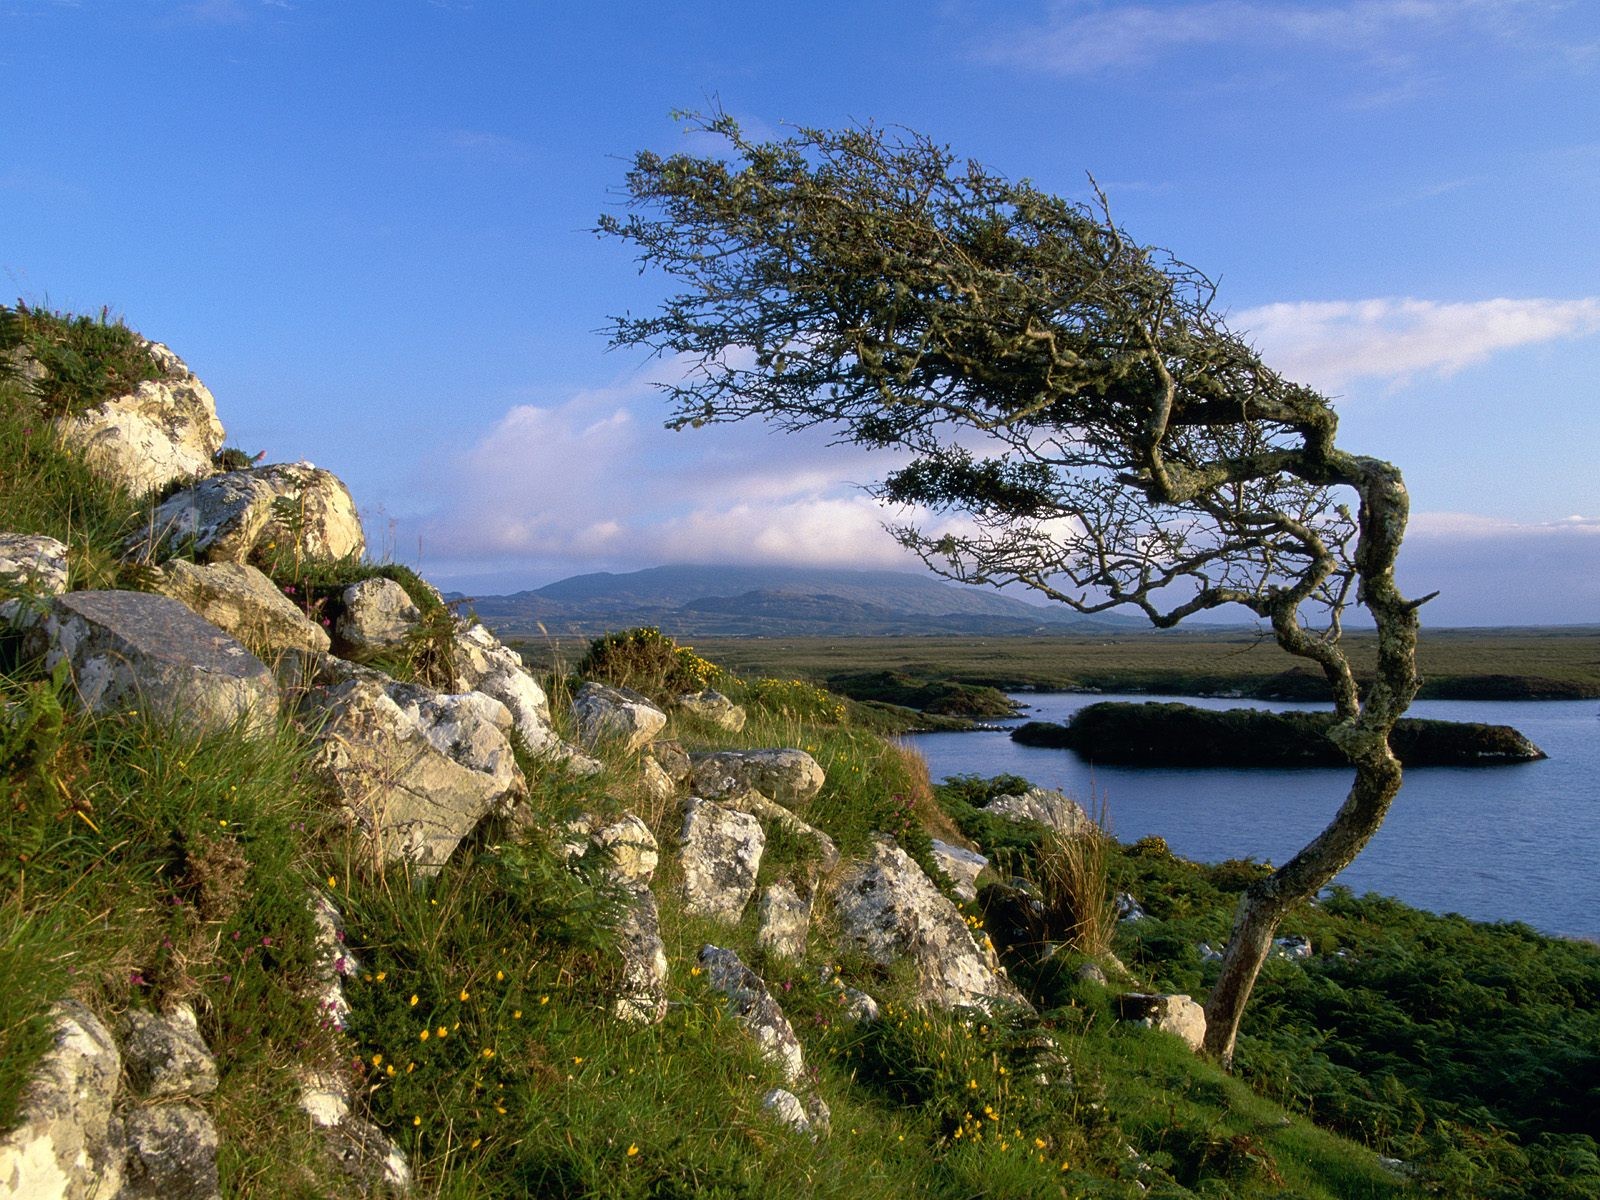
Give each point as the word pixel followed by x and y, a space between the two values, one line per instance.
pixel 242 515
pixel 483 664
pixel 80 1138
pixel 69 1143
pixel 237 598
pixel 164 431
pixel 1177 1014
pixel 615 717
pixel 416 770
pixel 375 615
pixel 1051 809
pixel 713 708
pixel 791 777
pixel 32 568
pixel 887 908
pixel 133 649
pixel 720 853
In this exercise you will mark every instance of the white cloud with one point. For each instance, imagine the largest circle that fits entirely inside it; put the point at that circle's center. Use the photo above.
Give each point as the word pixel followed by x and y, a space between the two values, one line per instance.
pixel 595 481
pixel 1081 37
pixel 1329 343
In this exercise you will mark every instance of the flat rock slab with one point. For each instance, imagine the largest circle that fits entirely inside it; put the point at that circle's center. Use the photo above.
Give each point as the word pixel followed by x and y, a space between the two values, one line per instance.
pixel 791 777
pixel 135 649
pixel 1052 809
pixel 239 599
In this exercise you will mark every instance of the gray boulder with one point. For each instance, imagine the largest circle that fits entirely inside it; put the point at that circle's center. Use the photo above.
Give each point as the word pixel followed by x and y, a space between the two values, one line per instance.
pixel 165 430
pixel 377 615
pixel 238 599
pixel 791 777
pixel 784 918
pixel 165 1056
pixel 714 708
pixel 812 1120
pixel 416 769
pixel 824 855
pixel 615 717
pixel 238 515
pixel 961 866
pixel 32 567
pixel 1049 808
pixel 720 853
pixel 887 908
pixel 1172 1013
pixel 172 1154
pixel 68 1143
pixel 672 760
pixel 135 649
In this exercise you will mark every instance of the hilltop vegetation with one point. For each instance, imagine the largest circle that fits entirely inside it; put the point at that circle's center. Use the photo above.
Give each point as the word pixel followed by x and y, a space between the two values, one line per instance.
pixel 142 865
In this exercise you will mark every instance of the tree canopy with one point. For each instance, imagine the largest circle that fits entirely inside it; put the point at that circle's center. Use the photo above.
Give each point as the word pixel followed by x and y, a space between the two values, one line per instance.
pixel 1069 395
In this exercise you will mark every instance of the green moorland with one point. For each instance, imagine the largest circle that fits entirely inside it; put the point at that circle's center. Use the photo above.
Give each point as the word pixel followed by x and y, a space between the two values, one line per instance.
pixel 1465 664
pixel 140 865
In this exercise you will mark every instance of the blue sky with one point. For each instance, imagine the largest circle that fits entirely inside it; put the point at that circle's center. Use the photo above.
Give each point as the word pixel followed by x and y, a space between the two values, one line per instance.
pixel 366 227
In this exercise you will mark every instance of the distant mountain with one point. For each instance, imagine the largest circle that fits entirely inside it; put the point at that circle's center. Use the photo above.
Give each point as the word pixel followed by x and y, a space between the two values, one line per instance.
pixel 700 601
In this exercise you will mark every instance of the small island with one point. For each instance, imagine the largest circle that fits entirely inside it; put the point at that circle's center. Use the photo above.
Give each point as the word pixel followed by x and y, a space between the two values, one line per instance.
pixel 1180 735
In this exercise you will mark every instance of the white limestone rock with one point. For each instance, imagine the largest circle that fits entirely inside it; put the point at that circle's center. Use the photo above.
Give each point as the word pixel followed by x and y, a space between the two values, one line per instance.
pixel 165 430
pixel 791 777
pixel 642 995
pixel 417 770
pixel 68 1143
pixel 720 852
pixel 784 919
pixel 615 716
pixel 484 664
pixel 32 569
pixel 239 599
pixel 753 1006
pixel 714 708
pixel 961 866
pixel 1049 808
pixel 1172 1013
pixel 375 615
pixel 172 1154
pixel 240 515
pixel 164 1055
pixel 886 907
pixel 137 650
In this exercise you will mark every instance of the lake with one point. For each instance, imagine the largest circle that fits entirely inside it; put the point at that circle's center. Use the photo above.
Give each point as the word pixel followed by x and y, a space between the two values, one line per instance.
pixel 1509 843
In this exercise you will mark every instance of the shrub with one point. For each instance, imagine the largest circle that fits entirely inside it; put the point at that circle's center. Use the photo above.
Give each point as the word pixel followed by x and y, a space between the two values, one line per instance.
pixel 647 661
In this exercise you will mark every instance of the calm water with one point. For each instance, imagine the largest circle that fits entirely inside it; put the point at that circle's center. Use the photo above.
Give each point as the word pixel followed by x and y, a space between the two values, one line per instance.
pixel 1492 843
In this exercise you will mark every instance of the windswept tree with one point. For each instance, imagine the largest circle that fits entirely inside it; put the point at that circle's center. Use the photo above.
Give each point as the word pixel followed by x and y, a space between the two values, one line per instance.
pixel 1069 405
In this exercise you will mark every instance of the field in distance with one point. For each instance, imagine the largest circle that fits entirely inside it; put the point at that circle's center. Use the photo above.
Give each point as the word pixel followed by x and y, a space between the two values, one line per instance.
pixel 1502 664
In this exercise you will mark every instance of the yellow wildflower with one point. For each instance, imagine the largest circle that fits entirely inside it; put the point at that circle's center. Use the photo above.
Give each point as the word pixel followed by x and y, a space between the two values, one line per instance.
pixel 423 1036
pixel 443 1032
pixel 413 999
pixel 632 1149
pixel 464 994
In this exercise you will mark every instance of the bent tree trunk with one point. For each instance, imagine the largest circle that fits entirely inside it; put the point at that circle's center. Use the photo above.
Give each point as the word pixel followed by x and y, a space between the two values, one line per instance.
pixel 1363 735
pixel 1267 900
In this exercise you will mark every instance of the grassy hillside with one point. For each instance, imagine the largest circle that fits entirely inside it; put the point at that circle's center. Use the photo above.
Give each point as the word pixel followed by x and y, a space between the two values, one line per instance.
pixel 141 865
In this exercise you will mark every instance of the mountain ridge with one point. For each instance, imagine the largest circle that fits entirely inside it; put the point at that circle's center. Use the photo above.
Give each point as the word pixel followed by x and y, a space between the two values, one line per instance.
pixel 701 600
